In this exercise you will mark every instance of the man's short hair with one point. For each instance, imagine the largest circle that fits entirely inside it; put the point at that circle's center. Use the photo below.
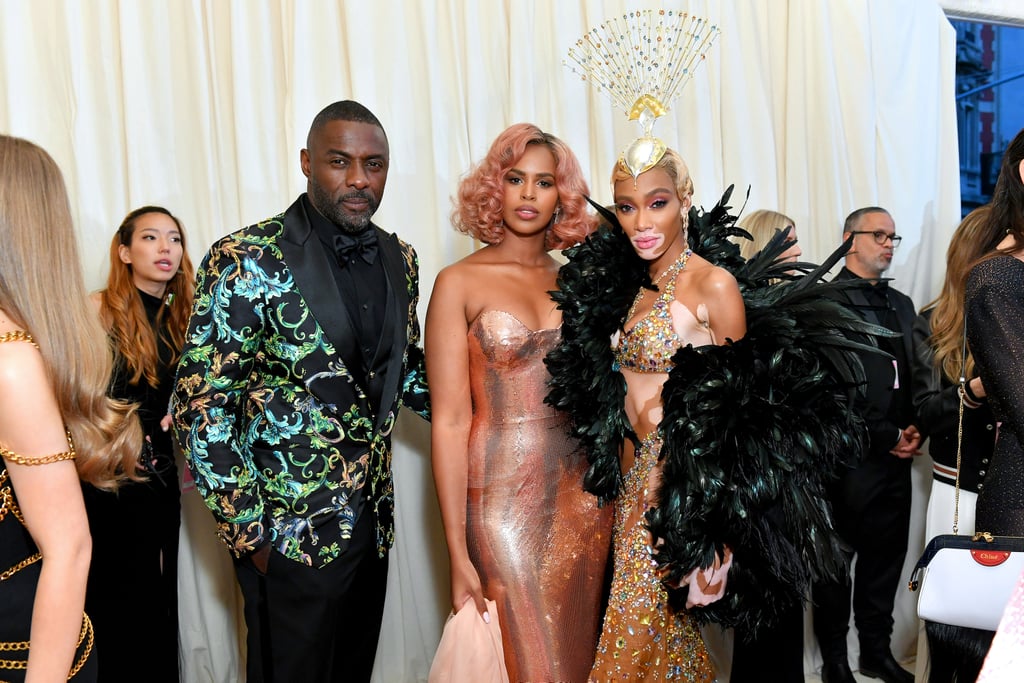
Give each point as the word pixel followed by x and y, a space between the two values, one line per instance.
pixel 344 110
pixel 854 218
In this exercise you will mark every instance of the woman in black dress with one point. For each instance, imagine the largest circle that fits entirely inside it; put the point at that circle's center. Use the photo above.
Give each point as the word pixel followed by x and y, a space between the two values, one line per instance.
pixel 132 592
pixel 995 334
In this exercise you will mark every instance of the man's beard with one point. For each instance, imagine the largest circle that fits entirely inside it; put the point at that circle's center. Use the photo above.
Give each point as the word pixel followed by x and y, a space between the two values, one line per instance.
pixel 333 211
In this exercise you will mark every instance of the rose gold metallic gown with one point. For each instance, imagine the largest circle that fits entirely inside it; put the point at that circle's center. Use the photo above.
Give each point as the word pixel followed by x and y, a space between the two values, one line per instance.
pixel 537 539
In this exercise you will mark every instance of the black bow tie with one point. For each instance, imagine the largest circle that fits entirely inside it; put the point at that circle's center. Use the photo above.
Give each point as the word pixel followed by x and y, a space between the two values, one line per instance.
pixel 364 244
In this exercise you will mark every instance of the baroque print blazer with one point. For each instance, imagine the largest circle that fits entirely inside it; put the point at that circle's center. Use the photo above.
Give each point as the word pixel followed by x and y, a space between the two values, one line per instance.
pixel 282 442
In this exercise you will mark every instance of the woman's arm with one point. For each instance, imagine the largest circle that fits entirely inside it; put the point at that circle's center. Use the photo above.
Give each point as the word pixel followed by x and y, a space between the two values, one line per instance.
pixel 50 497
pixel 447 358
pixel 726 310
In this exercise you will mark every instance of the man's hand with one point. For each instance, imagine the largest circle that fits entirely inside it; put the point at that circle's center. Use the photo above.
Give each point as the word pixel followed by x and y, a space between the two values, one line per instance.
pixel 909 443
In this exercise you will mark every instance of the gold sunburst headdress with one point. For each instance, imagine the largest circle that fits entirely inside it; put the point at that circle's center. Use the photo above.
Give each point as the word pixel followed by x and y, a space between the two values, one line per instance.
pixel 642 63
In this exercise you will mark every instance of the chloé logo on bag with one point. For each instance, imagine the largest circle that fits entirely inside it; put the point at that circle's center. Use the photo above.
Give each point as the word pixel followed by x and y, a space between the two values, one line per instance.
pixel 990 558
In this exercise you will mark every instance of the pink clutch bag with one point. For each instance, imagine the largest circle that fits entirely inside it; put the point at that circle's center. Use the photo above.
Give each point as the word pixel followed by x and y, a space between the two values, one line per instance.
pixel 470 649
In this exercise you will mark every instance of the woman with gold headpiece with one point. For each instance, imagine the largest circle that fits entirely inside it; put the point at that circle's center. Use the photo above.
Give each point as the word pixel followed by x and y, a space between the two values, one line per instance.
pixel 711 393
pixel 692 303
pixel 521 531
pixel 714 419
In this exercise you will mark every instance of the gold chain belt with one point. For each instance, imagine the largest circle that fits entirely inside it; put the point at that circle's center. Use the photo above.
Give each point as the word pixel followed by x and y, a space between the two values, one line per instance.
pixel 85 635
pixel 28 561
pixel 7 504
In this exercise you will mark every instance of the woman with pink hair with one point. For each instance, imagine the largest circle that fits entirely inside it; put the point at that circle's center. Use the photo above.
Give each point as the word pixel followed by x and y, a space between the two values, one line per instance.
pixel 520 529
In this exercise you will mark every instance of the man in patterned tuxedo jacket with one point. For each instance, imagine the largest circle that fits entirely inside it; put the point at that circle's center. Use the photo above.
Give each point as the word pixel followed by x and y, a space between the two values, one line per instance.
pixel 302 346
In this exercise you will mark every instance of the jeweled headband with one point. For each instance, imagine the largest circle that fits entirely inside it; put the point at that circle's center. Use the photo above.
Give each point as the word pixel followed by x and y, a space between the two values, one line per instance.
pixel 642 61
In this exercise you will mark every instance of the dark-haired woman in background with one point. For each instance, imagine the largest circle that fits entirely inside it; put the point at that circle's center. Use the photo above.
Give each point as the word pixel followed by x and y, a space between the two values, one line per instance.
pixel 132 593
pixel 994 297
pixel 995 333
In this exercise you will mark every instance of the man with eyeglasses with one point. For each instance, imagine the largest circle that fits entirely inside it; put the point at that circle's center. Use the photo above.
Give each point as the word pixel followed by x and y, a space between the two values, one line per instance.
pixel 871 502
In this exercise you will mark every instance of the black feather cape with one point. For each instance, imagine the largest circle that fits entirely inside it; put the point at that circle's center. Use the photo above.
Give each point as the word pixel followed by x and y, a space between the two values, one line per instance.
pixel 753 431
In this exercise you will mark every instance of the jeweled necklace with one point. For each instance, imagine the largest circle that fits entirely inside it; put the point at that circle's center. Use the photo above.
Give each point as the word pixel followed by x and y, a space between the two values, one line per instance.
pixel 674 269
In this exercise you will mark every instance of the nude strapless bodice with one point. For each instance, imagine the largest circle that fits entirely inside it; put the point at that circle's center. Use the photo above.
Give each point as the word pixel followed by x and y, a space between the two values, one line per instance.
pixel 508 379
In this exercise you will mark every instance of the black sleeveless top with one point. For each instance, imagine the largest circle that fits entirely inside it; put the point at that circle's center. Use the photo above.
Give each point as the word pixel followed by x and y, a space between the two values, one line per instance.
pixel 20 566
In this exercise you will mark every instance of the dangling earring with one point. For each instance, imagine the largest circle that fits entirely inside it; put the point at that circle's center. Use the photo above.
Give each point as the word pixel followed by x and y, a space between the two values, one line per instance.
pixel 557 216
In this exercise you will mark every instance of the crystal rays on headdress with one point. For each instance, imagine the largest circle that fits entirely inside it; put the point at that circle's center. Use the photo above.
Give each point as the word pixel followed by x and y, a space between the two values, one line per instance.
pixel 642 61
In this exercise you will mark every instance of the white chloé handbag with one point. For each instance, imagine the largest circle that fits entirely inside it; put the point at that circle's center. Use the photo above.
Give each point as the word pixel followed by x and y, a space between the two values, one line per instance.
pixel 967 580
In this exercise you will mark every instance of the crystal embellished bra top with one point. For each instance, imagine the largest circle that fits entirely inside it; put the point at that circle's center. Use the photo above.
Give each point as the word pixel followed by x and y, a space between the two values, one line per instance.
pixel 650 344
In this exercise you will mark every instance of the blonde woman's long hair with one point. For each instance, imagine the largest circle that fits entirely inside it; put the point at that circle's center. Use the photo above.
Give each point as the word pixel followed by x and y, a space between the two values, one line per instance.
pixel 42 289
pixel 947 322
pixel 762 226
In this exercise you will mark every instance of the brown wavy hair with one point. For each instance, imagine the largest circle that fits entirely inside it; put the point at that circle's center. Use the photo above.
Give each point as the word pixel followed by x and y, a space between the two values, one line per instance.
pixel 122 311
pixel 478 206
pixel 947 322
pixel 42 289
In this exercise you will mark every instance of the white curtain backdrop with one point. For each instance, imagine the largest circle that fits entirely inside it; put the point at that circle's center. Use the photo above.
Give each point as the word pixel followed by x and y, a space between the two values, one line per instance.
pixel 203 106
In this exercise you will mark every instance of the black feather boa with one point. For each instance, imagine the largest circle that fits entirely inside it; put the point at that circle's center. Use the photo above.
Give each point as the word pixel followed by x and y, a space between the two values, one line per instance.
pixel 753 431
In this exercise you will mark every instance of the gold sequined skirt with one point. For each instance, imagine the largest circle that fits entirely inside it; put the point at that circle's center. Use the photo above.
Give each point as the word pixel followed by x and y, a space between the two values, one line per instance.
pixel 642 638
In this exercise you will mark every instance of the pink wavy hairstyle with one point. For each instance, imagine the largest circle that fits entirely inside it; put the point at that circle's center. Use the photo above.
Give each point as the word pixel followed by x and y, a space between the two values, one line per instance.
pixel 478 206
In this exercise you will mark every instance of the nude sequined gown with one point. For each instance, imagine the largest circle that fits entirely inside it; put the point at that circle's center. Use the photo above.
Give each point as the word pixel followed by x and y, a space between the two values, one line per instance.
pixel 537 539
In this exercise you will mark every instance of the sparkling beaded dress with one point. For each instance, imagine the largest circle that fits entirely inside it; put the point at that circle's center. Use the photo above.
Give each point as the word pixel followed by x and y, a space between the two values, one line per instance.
pixel 748 426
pixel 20 566
pixel 642 637
pixel 995 330
pixel 538 540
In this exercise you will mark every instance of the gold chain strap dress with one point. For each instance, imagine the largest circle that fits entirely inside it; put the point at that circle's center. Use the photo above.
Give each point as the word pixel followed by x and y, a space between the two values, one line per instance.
pixel 20 565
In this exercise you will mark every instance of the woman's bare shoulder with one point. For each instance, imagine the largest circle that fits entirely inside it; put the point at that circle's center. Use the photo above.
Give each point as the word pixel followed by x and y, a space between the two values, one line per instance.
pixel 21 365
pixel 707 277
pixel 96 299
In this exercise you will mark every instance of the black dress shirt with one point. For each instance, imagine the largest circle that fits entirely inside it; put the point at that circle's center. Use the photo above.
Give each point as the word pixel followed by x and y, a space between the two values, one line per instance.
pixel 363 288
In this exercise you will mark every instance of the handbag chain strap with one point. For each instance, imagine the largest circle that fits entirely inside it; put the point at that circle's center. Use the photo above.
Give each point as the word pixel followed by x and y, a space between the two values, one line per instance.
pixel 960 428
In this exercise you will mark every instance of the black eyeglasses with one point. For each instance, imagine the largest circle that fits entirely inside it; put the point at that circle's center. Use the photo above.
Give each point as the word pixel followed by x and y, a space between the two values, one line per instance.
pixel 880 236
